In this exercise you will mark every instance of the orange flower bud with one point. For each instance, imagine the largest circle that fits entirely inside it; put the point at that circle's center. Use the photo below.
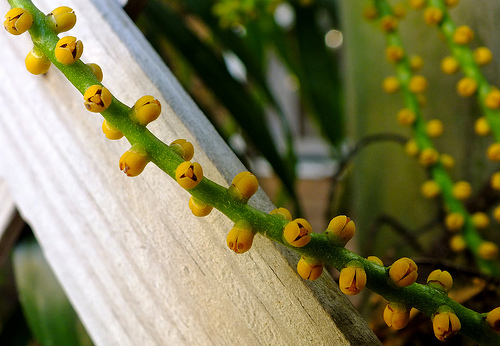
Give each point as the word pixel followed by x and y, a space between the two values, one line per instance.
pixel 445 323
pixel 282 212
pixel 243 186
pixel 198 208
pixel 183 148
pixel 403 272
pixel 297 232
pixel 396 315
pixel 440 280
pixel 352 278
pixel 340 230
pixel 240 238
pixel 189 174
pixel 309 268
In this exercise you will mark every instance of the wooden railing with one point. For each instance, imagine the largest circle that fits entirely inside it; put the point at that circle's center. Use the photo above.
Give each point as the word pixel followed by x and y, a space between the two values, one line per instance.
pixel 138 267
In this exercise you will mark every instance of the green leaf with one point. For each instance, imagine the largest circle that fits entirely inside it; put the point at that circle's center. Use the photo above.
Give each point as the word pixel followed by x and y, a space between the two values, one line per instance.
pixel 46 307
pixel 210 67
pixel 320 77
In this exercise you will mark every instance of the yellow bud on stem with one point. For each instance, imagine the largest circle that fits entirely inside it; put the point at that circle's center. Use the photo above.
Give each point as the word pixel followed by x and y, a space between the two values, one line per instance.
pixel 62 19
pixel 17 21
pixel 198 208
pixel 396 315
pixel 297 232
pixel 340 230
pixel 183 148
pixel 440 280
pixel 68 50
pixel 352 278
pixel 309 268
pixel 282 212
pixel 243 186
pixel 110 131
pixel 189 174
pixel 37 63
pixel 240 237
pixel 134 160
pixel 97 98
pixel 145 110
pixel 445 323
pixel 403 272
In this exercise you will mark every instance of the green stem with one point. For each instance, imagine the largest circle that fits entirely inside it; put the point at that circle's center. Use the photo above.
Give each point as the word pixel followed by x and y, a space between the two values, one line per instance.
pixel 438 171
pixel 422 297
pixel 465 57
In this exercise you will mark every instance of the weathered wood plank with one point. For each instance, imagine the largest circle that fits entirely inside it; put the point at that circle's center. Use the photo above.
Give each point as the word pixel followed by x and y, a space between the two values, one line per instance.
pixel 138 267
pixel 11 223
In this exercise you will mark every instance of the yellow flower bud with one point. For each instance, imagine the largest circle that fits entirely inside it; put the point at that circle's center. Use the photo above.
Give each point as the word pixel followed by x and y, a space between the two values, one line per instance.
pixel 417 4
pixel 494 152
pixel 434 128
pixel 488 250
pixel 243 186
pixel 417 84
pixel 433 15
pixel 493 319
pixel 388 23
pixel 370 12
pixel 37 63
pixel 396 315
pixel 411 148
pixel 416 63
pixel 482 56
pixel 189 174
pixel 466 87
pixel 445 323
pixel 145 110
pixel 240 238
pixel 97 98
pixel 454 221
pixel 492 99
pixel 482 127
pixel 62 19
pixel 391 85
pixel 352 278
pixel 309 268
pixel 403 272
pixel 17 21
pixel 198 208
pixel 496 213
pixel 461 190
pixel 447 161
pixel 183 148
pixel 399 10
pixel 495 181
pixel 133 161
pixel 110 131
pixel 463 35
pixel 457 243
pixel 451 3
pixel 430 189
pixel 450 65
pixel 440 280
pixel 297 232
pixel 68 50
pixel 394 54
pixel 375 259
pixel 96 70
pixel 480 220
pixel 406 117
pixel 428 157
pixel 282 212
pixel 340 230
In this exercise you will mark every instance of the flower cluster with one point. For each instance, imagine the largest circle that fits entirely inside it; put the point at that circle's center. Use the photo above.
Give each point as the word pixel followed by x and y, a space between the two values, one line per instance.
pixel 396 282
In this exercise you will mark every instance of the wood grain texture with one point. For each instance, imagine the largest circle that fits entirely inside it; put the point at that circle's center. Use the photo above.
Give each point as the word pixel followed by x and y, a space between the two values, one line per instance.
pixel 139 268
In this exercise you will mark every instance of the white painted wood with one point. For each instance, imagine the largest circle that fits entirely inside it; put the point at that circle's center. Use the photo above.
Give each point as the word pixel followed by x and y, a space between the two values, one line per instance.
pixel 10 222
pixel 138 267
